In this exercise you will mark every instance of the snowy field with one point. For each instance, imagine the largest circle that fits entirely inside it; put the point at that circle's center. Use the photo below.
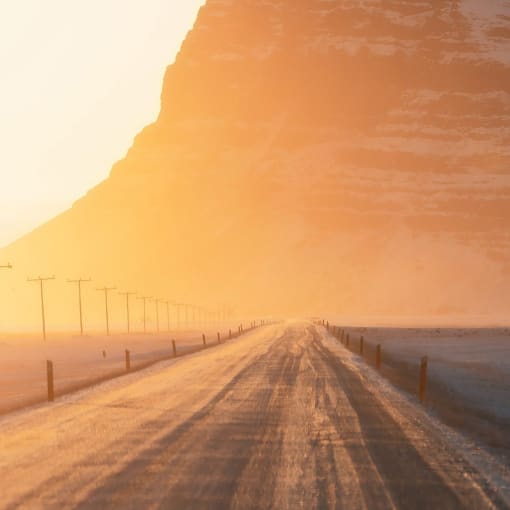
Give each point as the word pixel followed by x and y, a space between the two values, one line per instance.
pixel 79 361
pixel 469 371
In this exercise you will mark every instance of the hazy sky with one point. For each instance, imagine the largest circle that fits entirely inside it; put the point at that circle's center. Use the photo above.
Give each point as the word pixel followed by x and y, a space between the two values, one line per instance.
pixel 78 80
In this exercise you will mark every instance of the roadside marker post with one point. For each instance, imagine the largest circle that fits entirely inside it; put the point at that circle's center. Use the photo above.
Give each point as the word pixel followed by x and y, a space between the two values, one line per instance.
pixel 128 361
pixel 423 378
pixel 174 348
pixel 203 340
pixel 49 378
pixel 219 338
pixel 378 357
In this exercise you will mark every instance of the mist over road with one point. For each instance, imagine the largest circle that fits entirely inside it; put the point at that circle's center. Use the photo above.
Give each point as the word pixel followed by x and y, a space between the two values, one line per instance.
pixel 281 418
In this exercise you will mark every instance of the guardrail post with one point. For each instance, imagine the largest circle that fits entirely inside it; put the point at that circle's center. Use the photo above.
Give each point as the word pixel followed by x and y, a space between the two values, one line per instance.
pixel 128 361
pixel 174 348
pixel 423 377
pixel 378 357
pixel 203 339
pixel 361 346
pixel 49 378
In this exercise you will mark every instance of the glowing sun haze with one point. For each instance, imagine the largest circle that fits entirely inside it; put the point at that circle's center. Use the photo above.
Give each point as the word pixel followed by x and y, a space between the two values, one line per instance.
pixel 78 81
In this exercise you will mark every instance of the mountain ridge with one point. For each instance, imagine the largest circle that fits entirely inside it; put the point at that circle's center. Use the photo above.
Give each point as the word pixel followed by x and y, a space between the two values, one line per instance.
pixel 313 156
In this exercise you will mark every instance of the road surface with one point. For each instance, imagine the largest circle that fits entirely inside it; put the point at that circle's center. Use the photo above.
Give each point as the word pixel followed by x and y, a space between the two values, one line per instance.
pixel 281 418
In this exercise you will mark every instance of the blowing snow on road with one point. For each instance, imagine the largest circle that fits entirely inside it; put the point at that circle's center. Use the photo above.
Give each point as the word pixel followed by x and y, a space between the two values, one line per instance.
pixel 281 418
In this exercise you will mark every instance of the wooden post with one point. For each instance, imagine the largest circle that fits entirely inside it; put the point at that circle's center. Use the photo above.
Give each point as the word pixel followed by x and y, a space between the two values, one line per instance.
pixel 104 354
pixel 219 338
pixel 347 339
pixel 361 345
pixel 174 348
pixel 378 357
pixel 49 377
pixel 342 336
pixel 203 340
pixel 128 361
pixel 327 325
pixel 230 334
pixel 423 378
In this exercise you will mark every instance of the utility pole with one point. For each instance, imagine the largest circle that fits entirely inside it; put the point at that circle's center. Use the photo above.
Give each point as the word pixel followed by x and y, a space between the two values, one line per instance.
pixel 106 290
pixel 167 314
pixel 127 294
pixel 178 309
pixel 79 281
pixel 186 319
pixel 41 282
pixel 6 266
pixel 157 301
pixel 144 299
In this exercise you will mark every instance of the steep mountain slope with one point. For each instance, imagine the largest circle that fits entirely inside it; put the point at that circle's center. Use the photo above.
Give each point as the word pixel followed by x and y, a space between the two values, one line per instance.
pixel 314 155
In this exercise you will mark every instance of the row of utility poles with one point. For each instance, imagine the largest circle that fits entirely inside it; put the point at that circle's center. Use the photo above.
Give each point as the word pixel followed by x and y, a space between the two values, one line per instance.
pixel 190 311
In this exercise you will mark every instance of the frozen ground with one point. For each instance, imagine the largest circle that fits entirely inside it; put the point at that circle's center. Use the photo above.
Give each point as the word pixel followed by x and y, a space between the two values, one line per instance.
pixel 469 370
pixel 283 417
pixel 79 360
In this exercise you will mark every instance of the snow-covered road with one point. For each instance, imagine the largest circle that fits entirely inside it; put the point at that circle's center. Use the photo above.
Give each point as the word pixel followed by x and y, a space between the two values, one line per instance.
pixel 281 418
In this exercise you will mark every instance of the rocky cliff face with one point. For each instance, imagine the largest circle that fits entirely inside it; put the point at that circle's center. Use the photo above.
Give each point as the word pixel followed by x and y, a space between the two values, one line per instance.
pixel 330 155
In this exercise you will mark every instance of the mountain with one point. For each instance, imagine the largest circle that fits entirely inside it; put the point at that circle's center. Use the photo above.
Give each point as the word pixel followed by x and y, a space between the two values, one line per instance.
pixel 313 156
